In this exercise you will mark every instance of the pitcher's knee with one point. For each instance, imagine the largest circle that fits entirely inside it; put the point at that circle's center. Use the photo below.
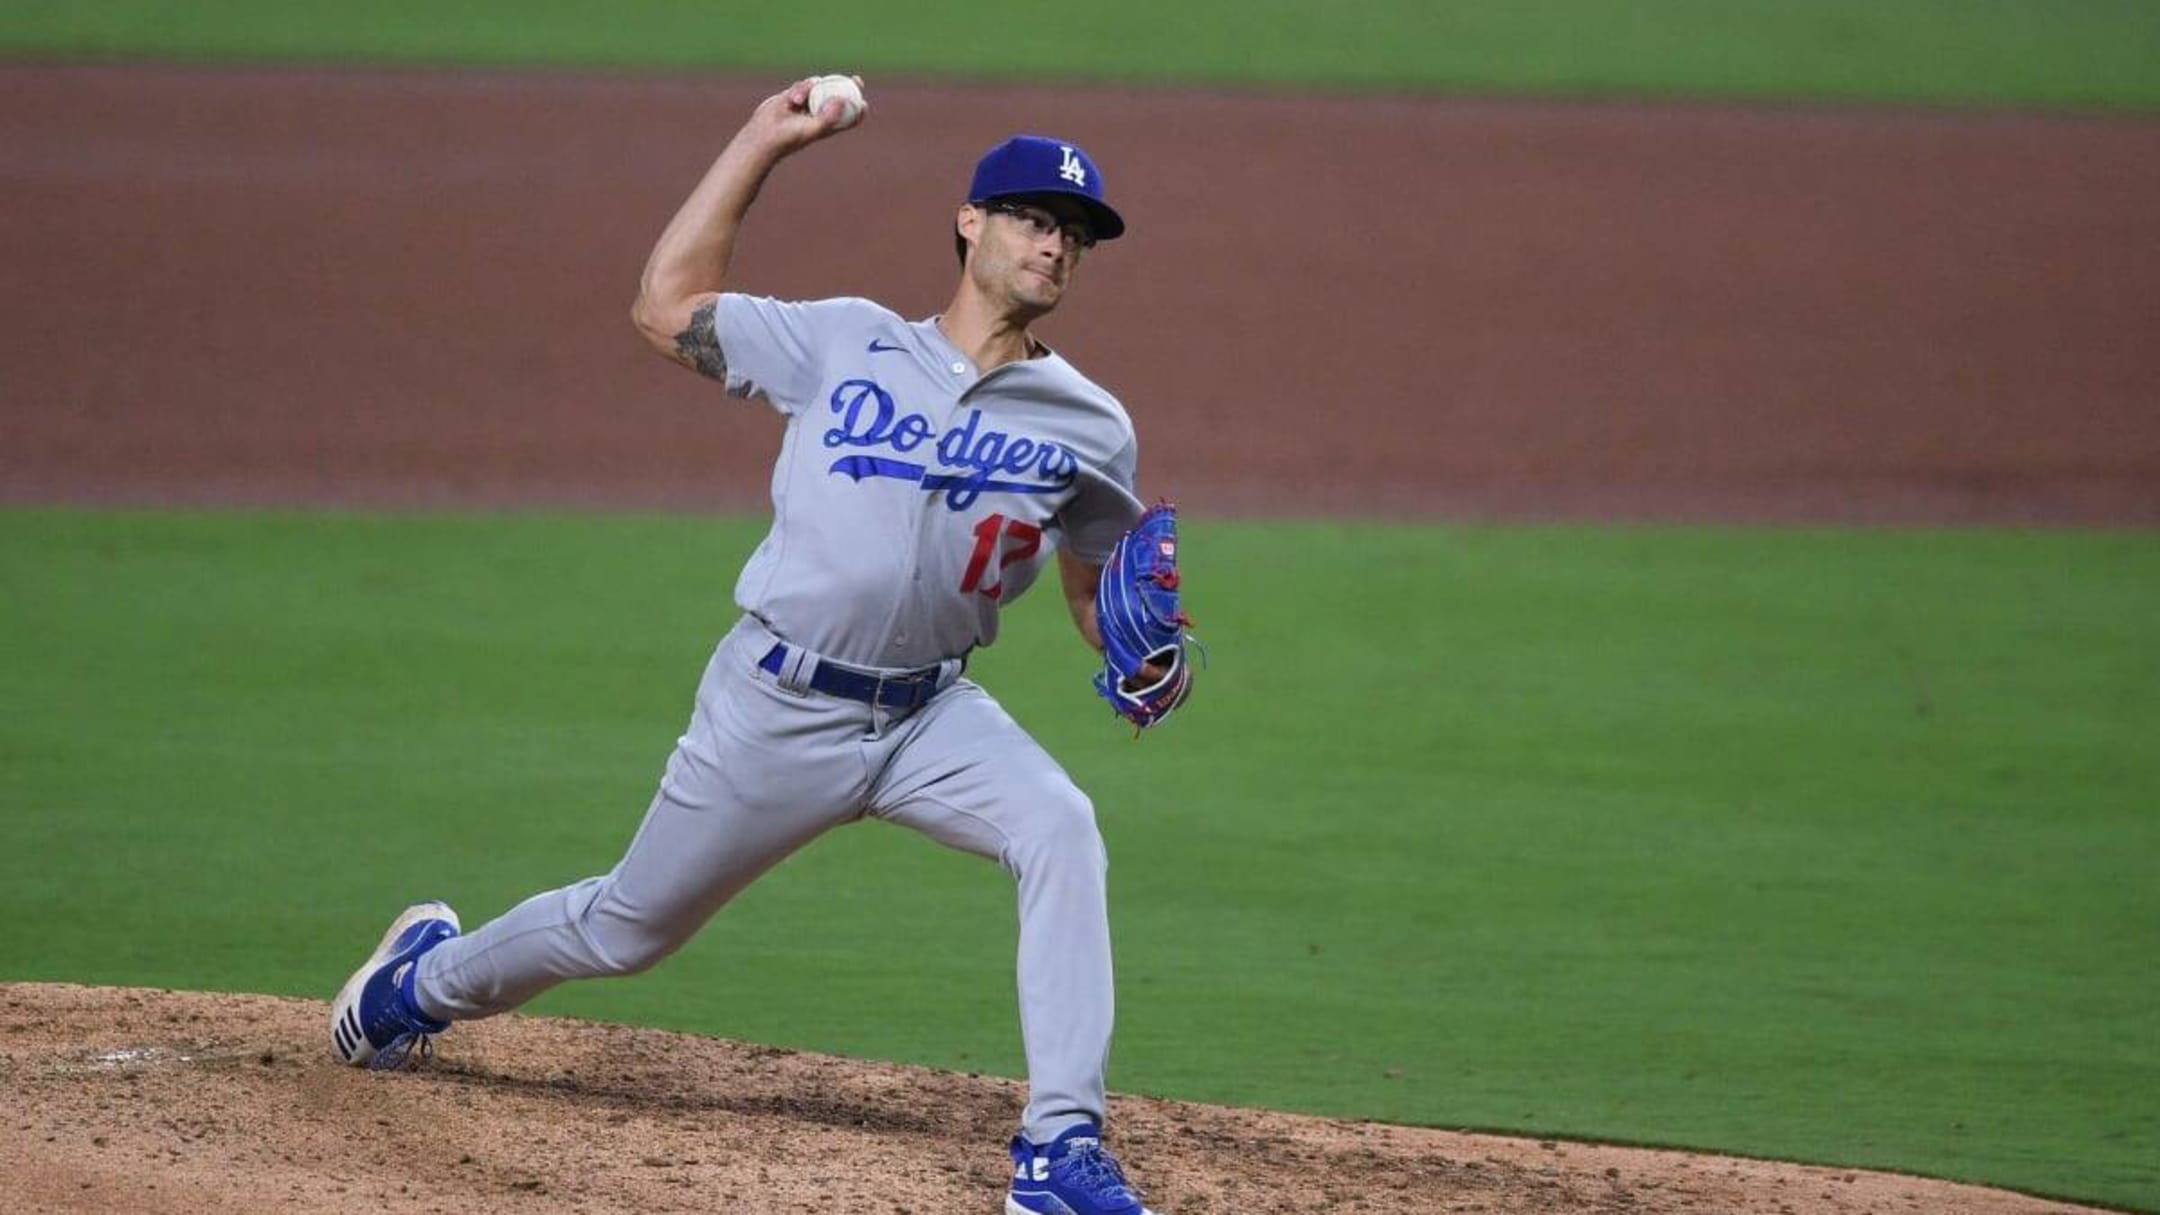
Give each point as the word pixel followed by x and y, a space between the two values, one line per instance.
pixel 625 948
pixel 1059 829
pixel 621 942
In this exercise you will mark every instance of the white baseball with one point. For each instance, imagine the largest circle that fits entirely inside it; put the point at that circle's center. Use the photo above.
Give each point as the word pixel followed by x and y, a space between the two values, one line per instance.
pixel 842 89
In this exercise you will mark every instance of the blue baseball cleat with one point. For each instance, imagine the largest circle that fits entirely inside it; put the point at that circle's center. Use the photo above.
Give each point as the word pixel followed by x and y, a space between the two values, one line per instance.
pixel 375 1022
pixel 1073 1174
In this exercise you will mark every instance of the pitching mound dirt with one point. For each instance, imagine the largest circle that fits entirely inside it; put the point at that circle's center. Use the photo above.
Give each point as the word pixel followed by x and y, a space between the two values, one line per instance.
pixel 126 1100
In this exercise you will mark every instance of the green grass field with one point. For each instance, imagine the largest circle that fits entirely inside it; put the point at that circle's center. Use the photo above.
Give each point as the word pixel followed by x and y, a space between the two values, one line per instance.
pixel 2017 52
pixel 1835 846
pixel 1838 846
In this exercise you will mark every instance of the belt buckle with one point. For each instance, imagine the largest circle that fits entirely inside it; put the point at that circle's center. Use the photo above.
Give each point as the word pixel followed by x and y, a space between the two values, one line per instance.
pixel 877 694
pixel 911 682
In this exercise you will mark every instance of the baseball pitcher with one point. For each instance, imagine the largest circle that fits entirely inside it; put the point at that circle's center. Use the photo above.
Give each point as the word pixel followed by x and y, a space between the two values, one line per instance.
pixel 928 471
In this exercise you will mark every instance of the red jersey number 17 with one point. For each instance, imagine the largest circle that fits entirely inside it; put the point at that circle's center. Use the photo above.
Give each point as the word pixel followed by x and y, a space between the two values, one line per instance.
pixel 1009 540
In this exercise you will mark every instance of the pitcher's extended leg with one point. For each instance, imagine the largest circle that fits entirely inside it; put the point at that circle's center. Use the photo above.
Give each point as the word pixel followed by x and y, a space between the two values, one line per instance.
pixel 683 866
pixel 758 774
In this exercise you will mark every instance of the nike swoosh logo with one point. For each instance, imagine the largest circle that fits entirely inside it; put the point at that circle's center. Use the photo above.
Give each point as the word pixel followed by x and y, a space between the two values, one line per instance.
pixel 878 347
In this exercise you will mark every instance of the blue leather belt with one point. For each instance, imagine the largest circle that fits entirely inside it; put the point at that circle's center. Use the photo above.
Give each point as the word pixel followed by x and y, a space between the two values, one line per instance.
pixel 907 690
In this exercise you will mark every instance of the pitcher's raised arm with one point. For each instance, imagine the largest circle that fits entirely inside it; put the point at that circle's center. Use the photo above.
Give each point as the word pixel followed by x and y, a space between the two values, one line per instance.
pixel 689 265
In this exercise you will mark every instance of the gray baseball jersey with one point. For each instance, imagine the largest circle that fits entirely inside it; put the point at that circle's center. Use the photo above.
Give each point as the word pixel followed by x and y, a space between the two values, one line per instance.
pixel 915 496
pixel 912 499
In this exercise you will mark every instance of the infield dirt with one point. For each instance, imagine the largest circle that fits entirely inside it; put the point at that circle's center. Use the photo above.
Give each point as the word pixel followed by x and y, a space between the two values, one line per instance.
pixel 410 289
pixel 148 1101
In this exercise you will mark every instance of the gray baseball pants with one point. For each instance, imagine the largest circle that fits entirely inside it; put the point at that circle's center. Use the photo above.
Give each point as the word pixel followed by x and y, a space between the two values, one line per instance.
pixel 761 772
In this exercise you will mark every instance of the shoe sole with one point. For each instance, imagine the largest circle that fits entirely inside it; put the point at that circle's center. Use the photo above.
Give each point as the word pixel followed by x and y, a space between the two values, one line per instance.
pixel 1013 1207
pixel 346 1008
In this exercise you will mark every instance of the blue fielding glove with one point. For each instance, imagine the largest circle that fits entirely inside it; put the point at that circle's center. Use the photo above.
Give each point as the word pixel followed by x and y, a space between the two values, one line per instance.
pixel 1141 622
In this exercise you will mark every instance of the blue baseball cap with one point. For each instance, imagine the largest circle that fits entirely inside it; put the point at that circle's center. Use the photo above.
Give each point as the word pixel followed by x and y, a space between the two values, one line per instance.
pixel 1034 164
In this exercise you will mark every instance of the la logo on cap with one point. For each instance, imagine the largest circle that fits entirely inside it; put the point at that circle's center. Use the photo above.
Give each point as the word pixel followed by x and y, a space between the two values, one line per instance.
pixel 1040 164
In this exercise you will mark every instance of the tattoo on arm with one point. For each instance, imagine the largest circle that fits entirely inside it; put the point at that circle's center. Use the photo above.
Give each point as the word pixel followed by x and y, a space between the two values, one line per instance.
pixel 698 347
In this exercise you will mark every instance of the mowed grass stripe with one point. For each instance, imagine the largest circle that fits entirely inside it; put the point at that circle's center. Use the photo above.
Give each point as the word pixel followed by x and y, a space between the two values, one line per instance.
pixel 1838 846
pixel 1995 52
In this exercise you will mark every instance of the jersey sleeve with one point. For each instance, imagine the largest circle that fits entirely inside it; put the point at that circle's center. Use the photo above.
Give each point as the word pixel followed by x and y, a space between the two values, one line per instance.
pixel 1103 506
pixel 774 348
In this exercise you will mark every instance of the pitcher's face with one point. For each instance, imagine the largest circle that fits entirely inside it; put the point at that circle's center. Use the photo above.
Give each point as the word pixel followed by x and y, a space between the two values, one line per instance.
pixel 1026 251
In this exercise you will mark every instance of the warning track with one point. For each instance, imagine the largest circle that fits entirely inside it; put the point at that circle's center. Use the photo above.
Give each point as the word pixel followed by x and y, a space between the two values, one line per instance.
pixel 411 289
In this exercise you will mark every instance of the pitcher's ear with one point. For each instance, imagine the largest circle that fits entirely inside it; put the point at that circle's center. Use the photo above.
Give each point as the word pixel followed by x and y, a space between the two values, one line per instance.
pixel 967 229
